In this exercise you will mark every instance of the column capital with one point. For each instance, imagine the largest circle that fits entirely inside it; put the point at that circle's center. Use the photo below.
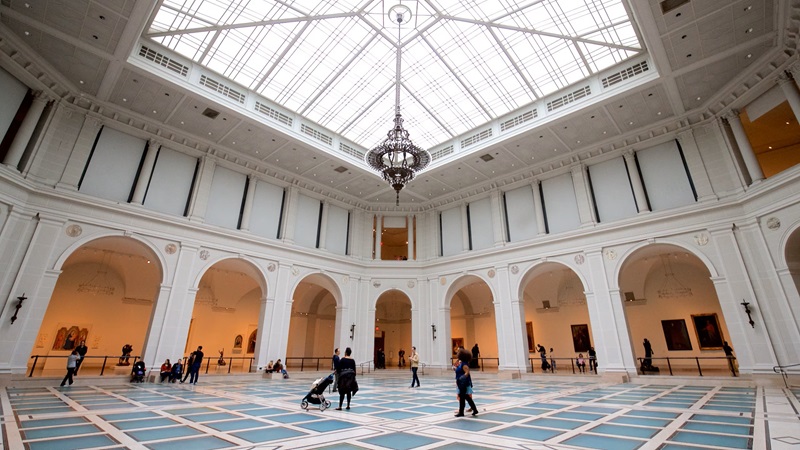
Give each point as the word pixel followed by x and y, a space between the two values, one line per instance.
pixel 733 114
pixel 784 77
pixel 794 69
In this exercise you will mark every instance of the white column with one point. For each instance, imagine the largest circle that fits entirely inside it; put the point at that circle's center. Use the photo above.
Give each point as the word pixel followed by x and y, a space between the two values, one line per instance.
pixel 636 181
pixel 267 311
pixel 581 185
pixel 746 150
pixel 697 168
pixel 247 212
pixel 323 225
pixel 464 228
pixel 26 129
pixel 498 218
pixel 290 215
pixel 789 89
pixel 410 228
pixel 538 207
pixel 147 170
pixel 378 237
pixel 201 190
pixel 80 152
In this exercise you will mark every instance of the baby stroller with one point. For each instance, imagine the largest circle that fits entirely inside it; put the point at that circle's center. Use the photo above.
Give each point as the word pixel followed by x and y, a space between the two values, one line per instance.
pixel 138 372
pixel 316 396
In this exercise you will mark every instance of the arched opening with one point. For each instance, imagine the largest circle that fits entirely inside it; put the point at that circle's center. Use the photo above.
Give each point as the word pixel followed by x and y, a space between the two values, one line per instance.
pixel 557 318
pixel 104 296
pixel 312 327
pixel 226 307
pixel 392 329
pixel 472 321
pixel 792 253
pixel 670 300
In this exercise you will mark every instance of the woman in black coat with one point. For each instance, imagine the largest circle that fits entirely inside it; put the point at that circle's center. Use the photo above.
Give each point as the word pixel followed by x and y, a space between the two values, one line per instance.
pixel 348 386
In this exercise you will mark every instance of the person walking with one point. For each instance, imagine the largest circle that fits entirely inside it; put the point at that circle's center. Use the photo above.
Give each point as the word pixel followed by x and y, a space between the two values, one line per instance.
pixel 543 356
pixel 194 370
pixel 348 386
pixel 729 354
pixel 335 366
pixel 187 367
pixel 647 363
pixel 82 349
pixel 413 360
pixel 464 385
pixel 552 360
pixel 592 360
pixel 72 362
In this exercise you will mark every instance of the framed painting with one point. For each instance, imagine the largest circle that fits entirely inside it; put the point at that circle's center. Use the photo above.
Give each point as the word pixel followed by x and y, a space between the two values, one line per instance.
pixel 580 338
pixel 709 334
pixel 529 327
pixel 457 342
pixel 676 335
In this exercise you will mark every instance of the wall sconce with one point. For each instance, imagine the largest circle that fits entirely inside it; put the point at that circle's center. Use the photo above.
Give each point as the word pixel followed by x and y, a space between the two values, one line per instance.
pixel 433 331
pixel 745 304
pixel 352 331
pixel 19 305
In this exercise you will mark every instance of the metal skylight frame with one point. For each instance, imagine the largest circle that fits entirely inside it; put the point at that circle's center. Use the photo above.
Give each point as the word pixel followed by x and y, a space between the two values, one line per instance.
pixel 332 61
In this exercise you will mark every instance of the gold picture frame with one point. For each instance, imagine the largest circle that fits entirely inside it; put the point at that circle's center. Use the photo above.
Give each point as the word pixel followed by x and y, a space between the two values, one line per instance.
pixel 708 331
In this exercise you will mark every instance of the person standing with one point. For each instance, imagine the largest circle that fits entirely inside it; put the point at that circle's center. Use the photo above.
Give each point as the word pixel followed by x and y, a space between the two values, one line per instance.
pixel 552 360
pixel 72 362
pixel 335 366
pixel 476 354
pixel 729 354
pixel 401 358
pixel 647 363
pixel 348 386
pixel 81 349
pixel 195 369
pixel 187 367
pixel 413 360
pixel 543 356
pixel 592 360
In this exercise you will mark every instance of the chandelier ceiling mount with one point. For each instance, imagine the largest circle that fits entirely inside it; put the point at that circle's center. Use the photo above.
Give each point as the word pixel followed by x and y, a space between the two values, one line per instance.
pixel 397 158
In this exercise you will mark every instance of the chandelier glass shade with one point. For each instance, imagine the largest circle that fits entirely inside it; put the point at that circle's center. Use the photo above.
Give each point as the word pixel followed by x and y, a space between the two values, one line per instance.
pixel 397 158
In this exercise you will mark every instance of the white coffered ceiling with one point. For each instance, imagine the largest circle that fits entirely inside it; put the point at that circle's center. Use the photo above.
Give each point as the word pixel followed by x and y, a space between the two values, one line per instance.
pixel 466 66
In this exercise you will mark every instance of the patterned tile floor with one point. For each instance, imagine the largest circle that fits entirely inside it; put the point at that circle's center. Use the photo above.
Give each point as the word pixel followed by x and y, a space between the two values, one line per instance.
pixel 514 414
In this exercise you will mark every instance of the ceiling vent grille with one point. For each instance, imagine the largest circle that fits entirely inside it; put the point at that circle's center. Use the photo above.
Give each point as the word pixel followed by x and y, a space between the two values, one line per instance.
pixel 210 113
pixel 520 119
pixel 274 114
pixel 624 74
pixel 163 61
pixel 441 153
pixel 305 129
pixel 227 91
pixel 475 138
pixel 569 98
pixel 340 169
pixel 352 151
pixel 487 157
pixel 669 5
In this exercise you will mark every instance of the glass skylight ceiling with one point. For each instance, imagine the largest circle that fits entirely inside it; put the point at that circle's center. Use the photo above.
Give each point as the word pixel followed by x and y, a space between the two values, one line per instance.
pixel 464 62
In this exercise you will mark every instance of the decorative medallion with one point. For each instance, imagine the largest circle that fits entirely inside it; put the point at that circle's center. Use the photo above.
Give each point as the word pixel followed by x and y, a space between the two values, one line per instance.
pixel 491 273
pixel 271 267
pixel 611 254
pixel 376 284
pixel 295 271
pixel 514 269
pixel 701 239
pixel 773 223
pixel 74 230
pixel 411 284
pixel 443 281
pixel 580 259
pixel 345 279
pixel 204 254
pixel 170 249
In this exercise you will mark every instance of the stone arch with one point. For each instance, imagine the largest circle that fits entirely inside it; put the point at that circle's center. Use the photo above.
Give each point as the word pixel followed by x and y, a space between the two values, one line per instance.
pixel 314 319
pixel 472 321
pixel 668 297
pixel 105 295
pixel 693 250
pixel 392 327
pixel 156 254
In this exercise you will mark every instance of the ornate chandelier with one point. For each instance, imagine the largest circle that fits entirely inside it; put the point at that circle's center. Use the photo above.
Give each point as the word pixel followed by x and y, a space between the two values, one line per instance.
pixel 397 158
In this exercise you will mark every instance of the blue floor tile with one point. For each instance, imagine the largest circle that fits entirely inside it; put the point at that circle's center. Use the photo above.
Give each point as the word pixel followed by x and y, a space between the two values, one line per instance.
pixel 625 431
pixel 162 433
pixel 719 428
pixel 144 423
pixel 710 439
pixel 240 424
pixel 555 423
pixel 529 433
pixel 603 442
pixel 65 431
pixel 200 443
pixel 400 441
pixel 73 443
pixel 52 422
pixel 267 434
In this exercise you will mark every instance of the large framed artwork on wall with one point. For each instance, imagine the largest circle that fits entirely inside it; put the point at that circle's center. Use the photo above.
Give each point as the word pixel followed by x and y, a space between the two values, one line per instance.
pixel 676 335
pixel 580 338
pixel 709 333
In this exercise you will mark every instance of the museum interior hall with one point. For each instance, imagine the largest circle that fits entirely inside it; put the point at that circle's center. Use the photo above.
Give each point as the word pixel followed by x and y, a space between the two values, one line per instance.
pixel 599 200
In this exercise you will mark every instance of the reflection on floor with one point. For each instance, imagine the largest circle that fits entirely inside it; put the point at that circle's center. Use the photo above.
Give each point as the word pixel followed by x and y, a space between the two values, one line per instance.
pixel 514 414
